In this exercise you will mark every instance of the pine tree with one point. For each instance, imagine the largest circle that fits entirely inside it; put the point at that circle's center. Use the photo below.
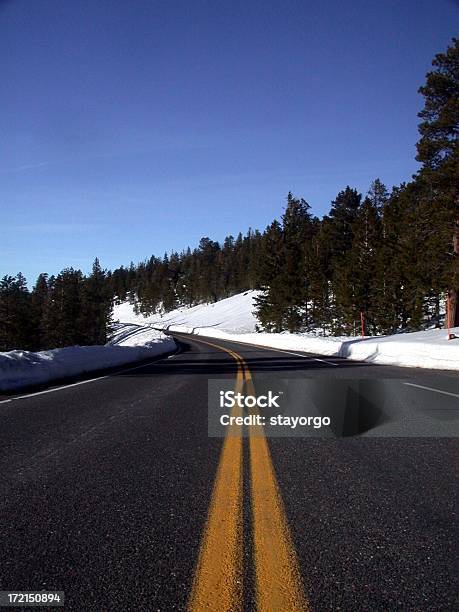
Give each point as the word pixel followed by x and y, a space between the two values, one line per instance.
pixel 15 324
pixel 378 195
pixel 387 307
pixel 39 300
pixel 96 307
pixel 437 150
pixel 319 275
pixel 367 237
pixel 254 248
pixel 297 234
pixel 269 304
pixel 339 231
pixel 61 317
pixel 342 215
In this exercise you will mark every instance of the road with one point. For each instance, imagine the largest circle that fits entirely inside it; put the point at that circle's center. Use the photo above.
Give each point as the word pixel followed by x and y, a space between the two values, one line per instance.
pixel 113 492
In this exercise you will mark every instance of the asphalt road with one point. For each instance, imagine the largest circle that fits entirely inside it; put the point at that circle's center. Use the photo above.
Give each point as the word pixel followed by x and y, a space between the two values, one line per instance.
pixel 113 492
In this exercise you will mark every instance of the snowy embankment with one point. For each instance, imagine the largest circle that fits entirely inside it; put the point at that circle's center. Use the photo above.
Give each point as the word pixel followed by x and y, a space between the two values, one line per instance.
pixel 233 314
pixel 233 319
pixel 129 343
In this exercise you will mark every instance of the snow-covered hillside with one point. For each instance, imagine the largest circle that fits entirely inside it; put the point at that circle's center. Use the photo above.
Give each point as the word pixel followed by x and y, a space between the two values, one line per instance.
pixel 233 319
pixel 128 344
pixel 233 314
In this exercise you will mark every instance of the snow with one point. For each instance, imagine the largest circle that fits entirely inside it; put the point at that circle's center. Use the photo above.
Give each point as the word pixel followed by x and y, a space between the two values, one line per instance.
pixel 233 314
pixel 427 349
pixel 233 319
pixel 129 343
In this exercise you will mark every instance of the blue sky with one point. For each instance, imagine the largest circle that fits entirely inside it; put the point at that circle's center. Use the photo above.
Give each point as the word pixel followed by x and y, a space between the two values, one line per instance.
pixel 132 128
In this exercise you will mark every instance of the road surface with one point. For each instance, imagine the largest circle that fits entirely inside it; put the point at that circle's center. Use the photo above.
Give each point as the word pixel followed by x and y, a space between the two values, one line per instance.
pixel 113 492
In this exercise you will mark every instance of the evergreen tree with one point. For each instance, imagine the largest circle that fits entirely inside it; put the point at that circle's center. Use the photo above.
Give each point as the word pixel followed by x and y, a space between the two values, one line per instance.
pixel 297 234
pixel 208 274
pixel 378 195
pixel 39 299
pixel 95 307
pixel 319 275
pixel 437 150
pixel 269 304
pixel 339 227
pixel 61 317
pixel 342 215
pixel 363 260
pixel 389 281
pixel 15 324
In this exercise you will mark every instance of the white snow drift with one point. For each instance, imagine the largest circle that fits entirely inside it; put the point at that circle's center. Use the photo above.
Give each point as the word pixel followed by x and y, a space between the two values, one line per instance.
pixel 233 319
pixel 129 343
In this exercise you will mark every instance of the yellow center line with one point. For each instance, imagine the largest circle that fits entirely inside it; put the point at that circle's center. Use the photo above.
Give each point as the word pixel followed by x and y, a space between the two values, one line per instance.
pixel 278 578
pixel 217 582
pixel 218 578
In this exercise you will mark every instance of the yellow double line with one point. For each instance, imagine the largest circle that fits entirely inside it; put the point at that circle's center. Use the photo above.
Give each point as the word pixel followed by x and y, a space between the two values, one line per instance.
pixel 218 580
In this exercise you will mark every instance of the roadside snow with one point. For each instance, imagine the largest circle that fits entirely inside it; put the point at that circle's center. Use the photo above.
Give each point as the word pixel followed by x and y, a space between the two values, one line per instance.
pixel 233 319
pixel 426 349
pixel 129 343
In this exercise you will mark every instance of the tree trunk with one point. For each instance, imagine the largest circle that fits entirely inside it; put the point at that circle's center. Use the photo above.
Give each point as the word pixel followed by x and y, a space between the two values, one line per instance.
pixel 454 307
pixel 454 291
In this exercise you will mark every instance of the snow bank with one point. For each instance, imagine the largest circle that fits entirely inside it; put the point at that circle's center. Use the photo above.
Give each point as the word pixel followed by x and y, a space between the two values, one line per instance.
pixel 233 319
pixel 427 349
pixel 128 344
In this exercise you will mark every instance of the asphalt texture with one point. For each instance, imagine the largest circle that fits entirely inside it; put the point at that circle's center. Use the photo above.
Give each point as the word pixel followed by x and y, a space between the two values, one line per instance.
pixel 105 489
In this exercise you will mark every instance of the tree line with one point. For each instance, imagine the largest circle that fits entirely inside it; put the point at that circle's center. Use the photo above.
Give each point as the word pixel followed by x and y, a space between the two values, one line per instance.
pixel 63 310
pixel 385 259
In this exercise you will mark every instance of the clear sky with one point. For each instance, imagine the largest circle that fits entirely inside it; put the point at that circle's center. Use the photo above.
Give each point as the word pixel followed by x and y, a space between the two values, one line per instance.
pixel 132 127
